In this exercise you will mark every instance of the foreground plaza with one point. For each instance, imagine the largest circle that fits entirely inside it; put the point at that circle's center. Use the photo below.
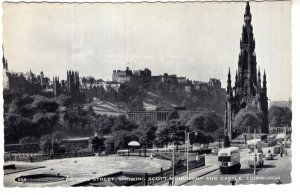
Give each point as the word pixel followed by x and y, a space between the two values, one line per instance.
pixel 81 169
pixel 276 171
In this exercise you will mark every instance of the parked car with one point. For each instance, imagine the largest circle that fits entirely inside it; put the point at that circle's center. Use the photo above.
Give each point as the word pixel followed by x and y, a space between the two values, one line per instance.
pixel 269 156
pixel 215 150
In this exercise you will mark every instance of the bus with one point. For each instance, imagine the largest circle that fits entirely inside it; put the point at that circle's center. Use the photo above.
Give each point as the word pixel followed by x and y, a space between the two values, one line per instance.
pixel 229 160
pixel 257 159
pixel 255 144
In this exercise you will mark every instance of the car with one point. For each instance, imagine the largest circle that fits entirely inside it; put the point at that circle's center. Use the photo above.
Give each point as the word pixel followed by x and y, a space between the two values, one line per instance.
pixel 269 156
pixel 215 151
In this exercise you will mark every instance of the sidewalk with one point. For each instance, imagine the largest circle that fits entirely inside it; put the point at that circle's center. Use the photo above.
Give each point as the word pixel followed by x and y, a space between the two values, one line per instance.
pixel 181 179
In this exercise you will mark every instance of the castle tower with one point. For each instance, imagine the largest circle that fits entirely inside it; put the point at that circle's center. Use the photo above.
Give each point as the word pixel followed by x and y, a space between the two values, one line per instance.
pixel 73 85
pixel 56 87
pixel 247 89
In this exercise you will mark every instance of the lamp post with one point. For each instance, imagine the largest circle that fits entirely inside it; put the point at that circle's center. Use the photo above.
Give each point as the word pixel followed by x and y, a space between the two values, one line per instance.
pixel 255 153
pixel 173 160
pixel 245 138
pixel 187 135
pixel 285 132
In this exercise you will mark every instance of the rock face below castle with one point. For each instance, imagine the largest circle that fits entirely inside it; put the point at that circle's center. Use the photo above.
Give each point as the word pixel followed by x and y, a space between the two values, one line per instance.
pixel 247 89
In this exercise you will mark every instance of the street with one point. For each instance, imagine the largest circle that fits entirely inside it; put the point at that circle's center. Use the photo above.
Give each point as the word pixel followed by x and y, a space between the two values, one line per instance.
pixel 273 170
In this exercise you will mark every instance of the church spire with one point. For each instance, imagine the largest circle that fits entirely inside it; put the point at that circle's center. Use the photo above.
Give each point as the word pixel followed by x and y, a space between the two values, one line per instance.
pixel 247 71
pixel 264 87
pixel 247 15
pixel 258 83
pixel 229 91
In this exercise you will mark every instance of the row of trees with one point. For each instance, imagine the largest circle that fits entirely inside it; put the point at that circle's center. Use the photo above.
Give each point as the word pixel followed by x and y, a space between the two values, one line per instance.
pixel 249 119
pixel 208 126
pixel 30 116
pixel 35 116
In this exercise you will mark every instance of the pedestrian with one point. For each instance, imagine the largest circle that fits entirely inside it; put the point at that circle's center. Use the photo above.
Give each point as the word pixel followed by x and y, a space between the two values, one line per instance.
pixel 161 172
pixel 170 181
pixel 146 179
pixel 281 152
pixel 232 181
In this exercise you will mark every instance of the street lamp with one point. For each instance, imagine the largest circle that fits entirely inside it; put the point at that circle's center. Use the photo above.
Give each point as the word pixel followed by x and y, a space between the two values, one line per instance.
pixel 255 156
pixel 173 164
pixel 187 135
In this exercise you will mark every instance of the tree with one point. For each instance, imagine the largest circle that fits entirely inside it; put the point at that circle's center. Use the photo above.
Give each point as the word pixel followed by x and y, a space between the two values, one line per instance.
pixel 26 110
pixel 71 118
pixel 45 144
pixel 64 100
pixel 119 139
pixel 280 116
pixel 173 115
pixel 43 127
pixel 248 120
pixel 53 119
pixel 47 106
pixel 17 127
pixel 207 125
pixel 22 105
pixel 83 120
pixel 27 128
pixel 104 124
pixel 136 104
pixel 30 116
pixel 97 144
pixel 171 131
pixel 145 134
pixel 122 123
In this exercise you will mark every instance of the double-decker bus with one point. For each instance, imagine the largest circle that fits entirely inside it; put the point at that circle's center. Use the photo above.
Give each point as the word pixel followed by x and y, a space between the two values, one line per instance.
pixel 229 160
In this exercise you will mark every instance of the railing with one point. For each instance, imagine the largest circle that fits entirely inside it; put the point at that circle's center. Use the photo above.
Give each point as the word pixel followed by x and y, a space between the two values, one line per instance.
pixel 136 152
pixel 149 179
pixel 35 157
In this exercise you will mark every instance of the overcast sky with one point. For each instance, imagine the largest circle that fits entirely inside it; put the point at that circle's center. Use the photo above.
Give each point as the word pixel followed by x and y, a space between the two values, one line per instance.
pixel 196 40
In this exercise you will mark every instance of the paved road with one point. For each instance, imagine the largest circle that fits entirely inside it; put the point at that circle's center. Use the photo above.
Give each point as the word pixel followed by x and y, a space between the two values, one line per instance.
pixel 279 168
